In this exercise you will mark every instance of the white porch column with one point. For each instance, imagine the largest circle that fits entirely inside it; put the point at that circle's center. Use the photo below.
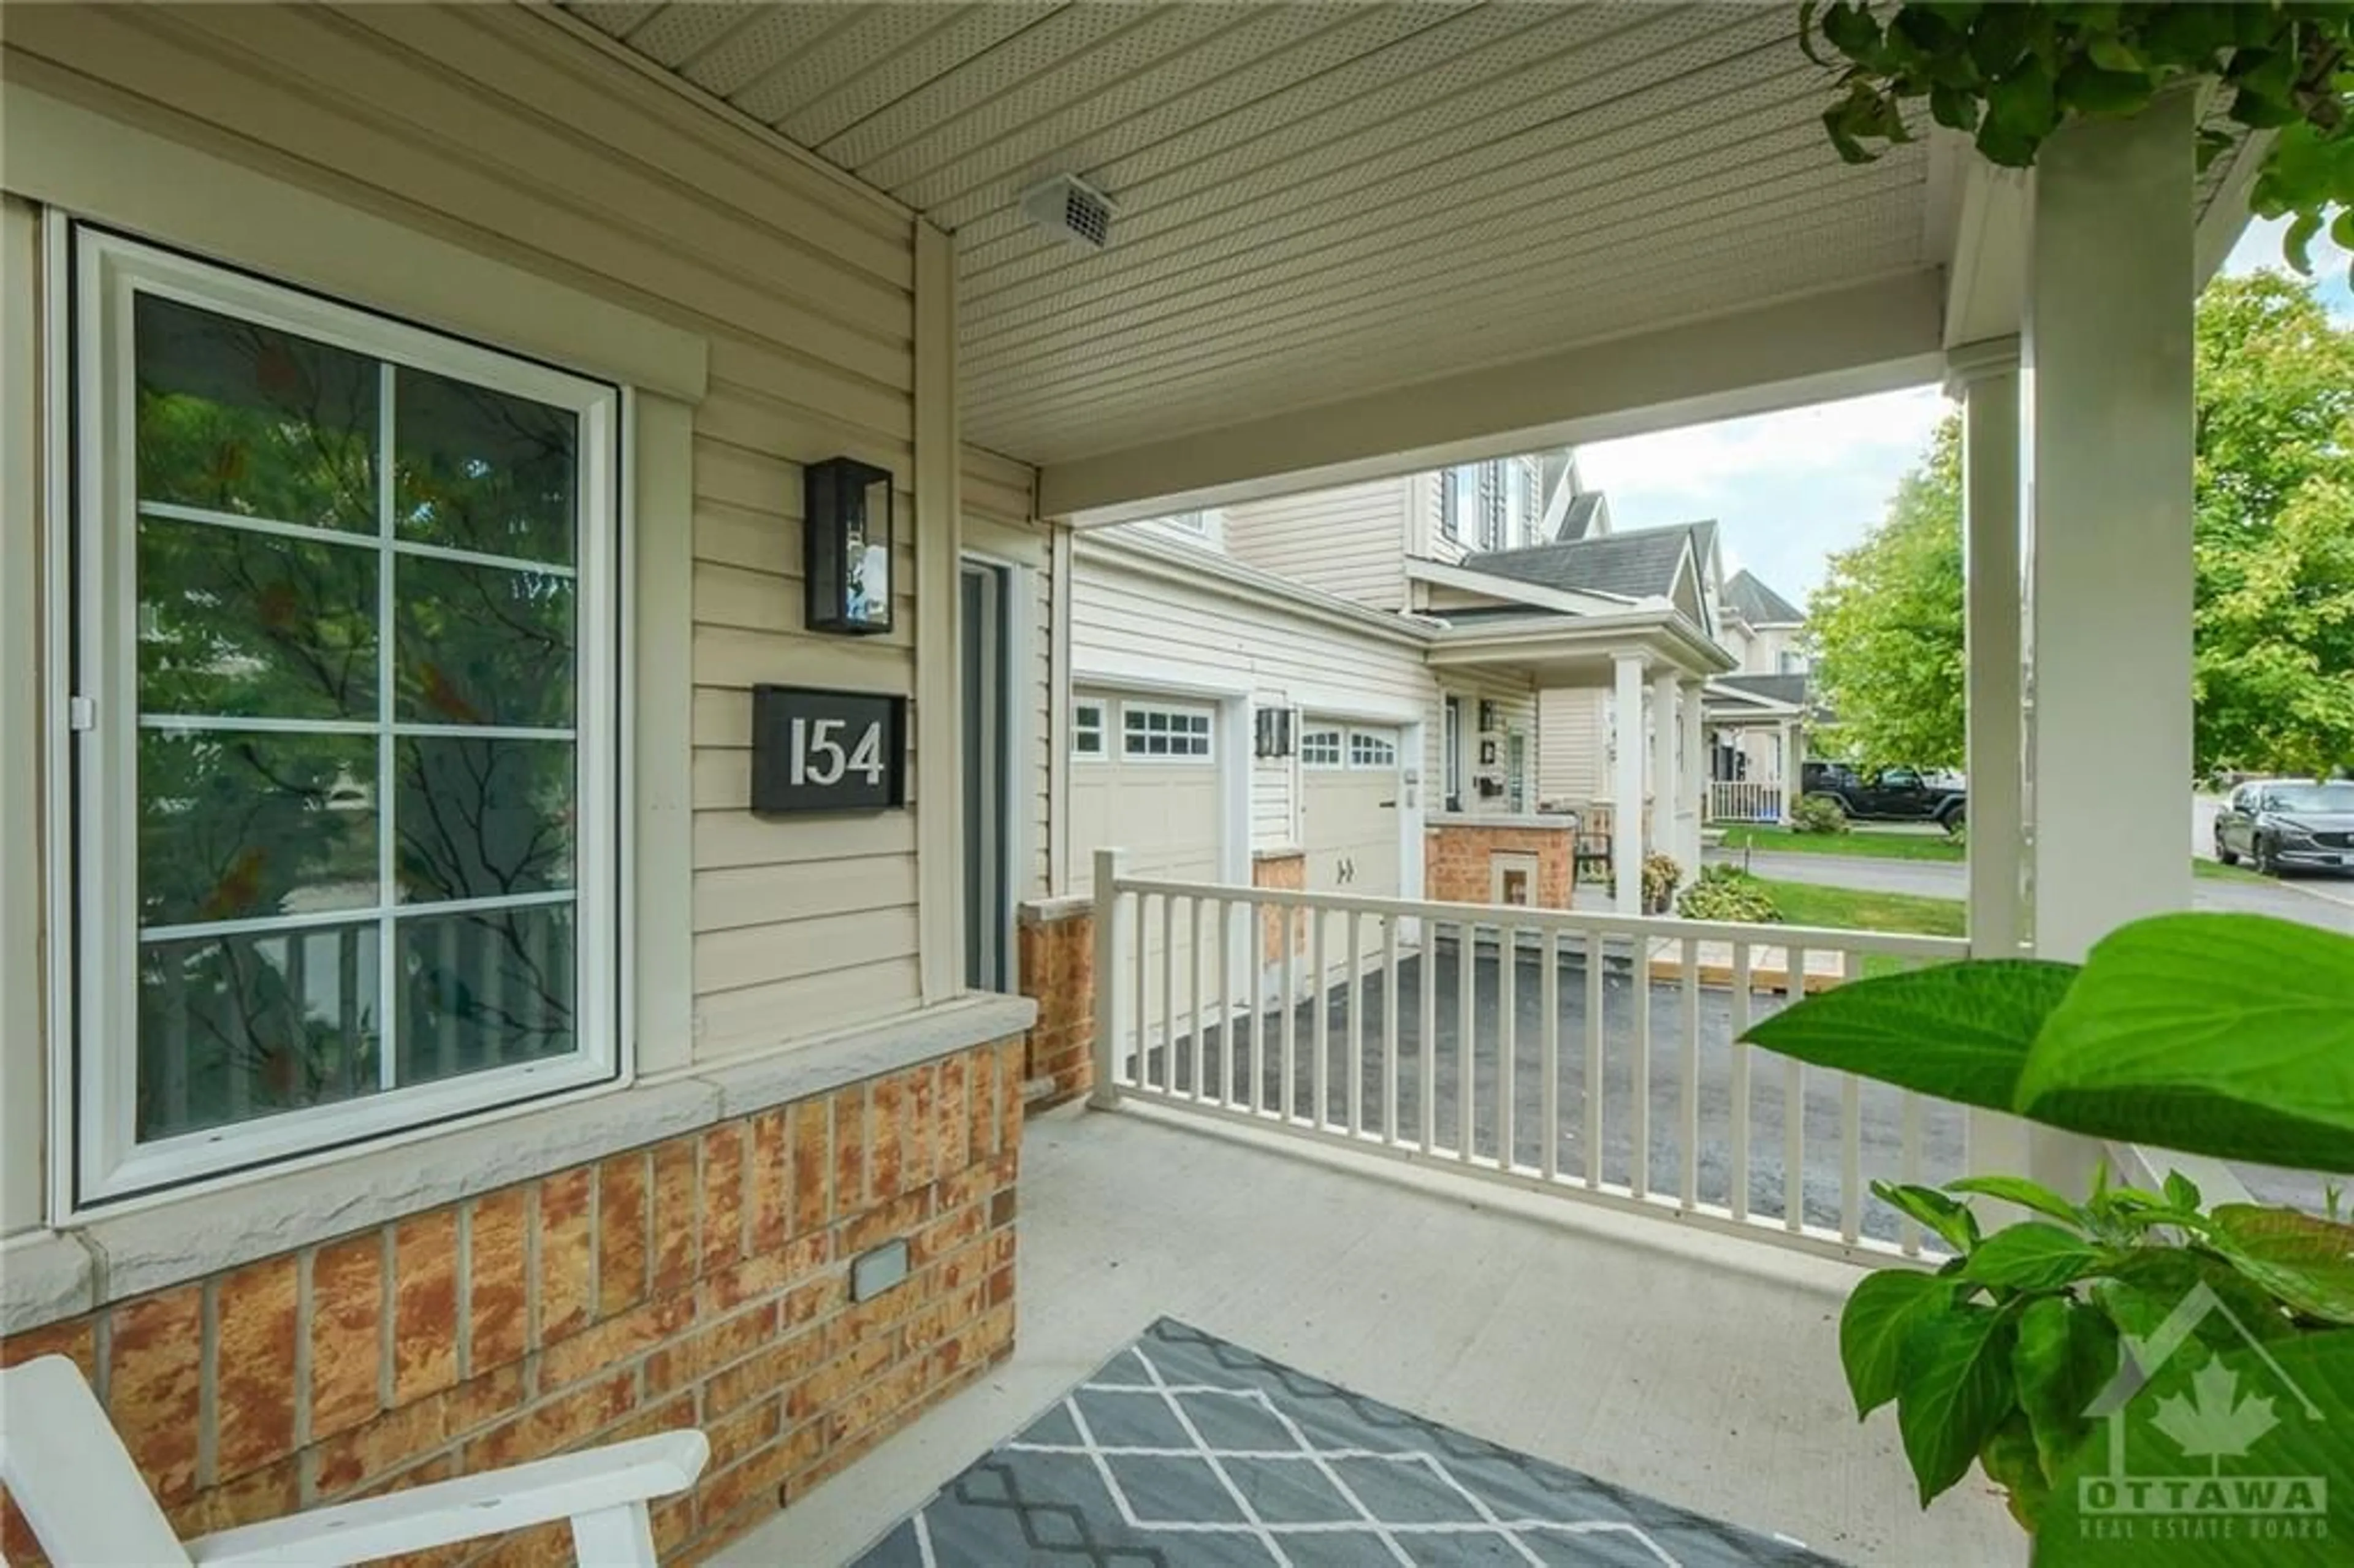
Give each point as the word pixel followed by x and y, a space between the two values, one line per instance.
pixel 2107 455
pixel 1787 750
pixel 2107 355
pixel 1696 773
pixel 1665 790
pixel 1627 814
pixel 1986 376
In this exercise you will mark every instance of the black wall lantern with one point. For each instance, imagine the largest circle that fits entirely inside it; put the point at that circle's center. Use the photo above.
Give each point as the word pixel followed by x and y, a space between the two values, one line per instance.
pixel 847 546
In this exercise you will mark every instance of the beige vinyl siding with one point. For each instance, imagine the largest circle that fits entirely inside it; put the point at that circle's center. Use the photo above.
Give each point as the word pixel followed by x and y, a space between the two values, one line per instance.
pixel 1573 758
pixel 1423 517
pixel 1349 542
pixel 998 497
pixel 500 130
pixel 1516 709
pixel 1128 625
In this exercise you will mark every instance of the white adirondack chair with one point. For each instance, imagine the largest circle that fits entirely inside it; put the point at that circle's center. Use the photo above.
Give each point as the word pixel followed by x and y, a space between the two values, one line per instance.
pixel 90 1508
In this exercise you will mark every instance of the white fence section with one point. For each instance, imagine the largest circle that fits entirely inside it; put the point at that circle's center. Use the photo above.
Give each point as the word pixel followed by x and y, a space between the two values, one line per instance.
pixel 1592 1056
pixel 1744 800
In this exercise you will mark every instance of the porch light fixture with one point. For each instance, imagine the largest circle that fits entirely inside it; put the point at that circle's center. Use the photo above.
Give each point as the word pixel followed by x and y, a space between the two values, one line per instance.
pixel 847 546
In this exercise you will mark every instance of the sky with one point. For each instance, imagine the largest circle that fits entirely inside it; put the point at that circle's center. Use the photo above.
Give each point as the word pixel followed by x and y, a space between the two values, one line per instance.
pixel 1789 489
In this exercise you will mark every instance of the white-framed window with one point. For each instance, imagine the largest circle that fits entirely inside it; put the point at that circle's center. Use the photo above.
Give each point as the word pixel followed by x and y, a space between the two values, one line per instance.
pixel 344 609
pixel 1459 501
pixel 1163 733
pixel 1371 749
pixel 1087 729
pixel 1320 748
pixel 1451 747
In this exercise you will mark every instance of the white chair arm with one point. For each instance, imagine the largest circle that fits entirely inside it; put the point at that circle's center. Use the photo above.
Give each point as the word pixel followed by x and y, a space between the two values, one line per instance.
pixel 465 1508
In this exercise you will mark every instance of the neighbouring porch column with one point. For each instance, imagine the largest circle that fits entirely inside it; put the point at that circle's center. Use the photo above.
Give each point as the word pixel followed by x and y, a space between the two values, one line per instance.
pixel 1697 773
pixel 2107 428
pixel 1787 753
pixel 1665 790
pixel 2107 457
pixel 1986 377
pixel 1626 815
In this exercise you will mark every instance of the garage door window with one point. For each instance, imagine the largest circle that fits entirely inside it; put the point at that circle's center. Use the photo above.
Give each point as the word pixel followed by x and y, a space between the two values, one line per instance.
pixel 1164 734
pixel 1087 730
pixel 1320 748
pixel 1372 750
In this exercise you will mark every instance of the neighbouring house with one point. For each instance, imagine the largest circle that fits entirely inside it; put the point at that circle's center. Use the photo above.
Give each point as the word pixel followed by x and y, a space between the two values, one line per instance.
pixel 527 918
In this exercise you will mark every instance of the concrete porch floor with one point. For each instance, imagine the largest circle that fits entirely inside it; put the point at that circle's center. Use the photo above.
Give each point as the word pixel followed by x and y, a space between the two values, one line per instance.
pixel 1702 1369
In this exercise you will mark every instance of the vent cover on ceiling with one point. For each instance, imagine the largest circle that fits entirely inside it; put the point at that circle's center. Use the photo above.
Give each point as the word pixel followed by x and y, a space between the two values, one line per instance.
pixel 1071 210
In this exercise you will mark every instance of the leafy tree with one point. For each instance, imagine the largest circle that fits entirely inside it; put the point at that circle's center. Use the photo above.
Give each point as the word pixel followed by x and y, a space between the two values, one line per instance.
pixel 2273 676
pixel 1887 624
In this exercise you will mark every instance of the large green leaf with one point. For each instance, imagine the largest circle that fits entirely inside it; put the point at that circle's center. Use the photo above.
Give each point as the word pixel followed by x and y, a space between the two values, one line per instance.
pixel 1954 1389
pixel 2033 1257
pixel 2305 1261
pixel 2066 1354
pixel 1878 1316
pixel 2306 1385
pixel 2019 1189
pixel 1951 1221
pixel 2010 1461
pixel 1959 1031
pixel 2223 1034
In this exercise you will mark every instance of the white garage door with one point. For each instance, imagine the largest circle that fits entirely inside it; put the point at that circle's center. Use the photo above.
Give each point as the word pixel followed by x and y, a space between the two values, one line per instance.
pixel 1145 776
pixel 1349 776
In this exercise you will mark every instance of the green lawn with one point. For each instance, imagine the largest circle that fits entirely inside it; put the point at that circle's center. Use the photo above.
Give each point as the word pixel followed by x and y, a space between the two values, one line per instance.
pixel 1847 910
pixel 1865 841
pixel 1884 845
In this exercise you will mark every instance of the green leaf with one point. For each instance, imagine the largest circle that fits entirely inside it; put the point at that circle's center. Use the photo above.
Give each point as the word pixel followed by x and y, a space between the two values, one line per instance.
pixel 2181 1192
pixel 1955 108
pixel 2010 1462
pixel 1951 1221
pixel 2112 53
pixel 1851 31
pixel 2066 1354
pixel 2032 1257
pixel 2305 1261
pixel 1960 1031
pixel 2309 1382
pixel 1954 1389
pixel 2019 1189
pixel 2024 102
pixel 2146 1284
pixel 1878 1318
pixel 2089 90
pixel 2221 1034
pixel 2298 243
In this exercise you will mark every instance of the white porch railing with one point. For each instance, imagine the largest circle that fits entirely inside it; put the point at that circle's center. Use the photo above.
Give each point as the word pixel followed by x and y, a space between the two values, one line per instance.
pixel 1509 1043
pixel 1743 800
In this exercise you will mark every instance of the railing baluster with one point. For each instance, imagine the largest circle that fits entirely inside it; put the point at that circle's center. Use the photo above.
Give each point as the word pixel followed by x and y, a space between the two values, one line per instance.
pixel 1594 1062
pixel 1255 1097
pixel 1908 1231
pixel 1322 1072
pixel 1426 971
pixel 1638 1176
pixel 1389 1029
pixel 1691 1135
pixel 1549 1094
pixel 1508 1007
pixel 1851 1130
pixel 1356 1022
pixel 1285 1097
pixel 1467 982
pixel 1168 995
pixel 1794 1104
pixel 1141 1072
pixel 1193 929
pixel 1739 1093
pixel 1228 1014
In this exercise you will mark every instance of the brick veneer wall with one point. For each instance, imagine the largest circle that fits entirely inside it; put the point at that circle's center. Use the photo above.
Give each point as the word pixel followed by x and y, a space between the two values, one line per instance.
pixel 1288 869
pixel 703 1281
pixel 1458 858
pixel 1055 952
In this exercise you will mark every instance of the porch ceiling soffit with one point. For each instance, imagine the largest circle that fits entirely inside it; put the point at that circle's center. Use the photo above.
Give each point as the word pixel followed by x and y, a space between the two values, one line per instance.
pixel 1560 651
pixel 1173 562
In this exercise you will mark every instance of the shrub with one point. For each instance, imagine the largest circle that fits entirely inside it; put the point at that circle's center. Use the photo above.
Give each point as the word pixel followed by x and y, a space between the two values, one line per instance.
pixel 1818 814
pixel 1728 893
pixel 1661 874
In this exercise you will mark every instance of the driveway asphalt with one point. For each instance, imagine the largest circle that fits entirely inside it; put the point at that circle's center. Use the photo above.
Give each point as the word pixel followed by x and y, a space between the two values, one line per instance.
pixel 1881 1116
pixel 2327 903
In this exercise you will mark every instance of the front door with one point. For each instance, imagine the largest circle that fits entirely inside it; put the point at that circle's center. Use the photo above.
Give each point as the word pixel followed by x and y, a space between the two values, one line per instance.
pixel 988 894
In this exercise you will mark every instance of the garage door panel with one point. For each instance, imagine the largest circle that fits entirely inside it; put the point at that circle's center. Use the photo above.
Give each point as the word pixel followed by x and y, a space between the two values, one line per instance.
pixel 1350 794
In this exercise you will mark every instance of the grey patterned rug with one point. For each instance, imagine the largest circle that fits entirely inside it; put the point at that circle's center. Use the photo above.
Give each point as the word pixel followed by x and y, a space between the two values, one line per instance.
pixel 1183 1451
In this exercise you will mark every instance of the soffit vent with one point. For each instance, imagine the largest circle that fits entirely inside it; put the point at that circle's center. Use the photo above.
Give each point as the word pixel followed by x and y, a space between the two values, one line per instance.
pixel 1071 210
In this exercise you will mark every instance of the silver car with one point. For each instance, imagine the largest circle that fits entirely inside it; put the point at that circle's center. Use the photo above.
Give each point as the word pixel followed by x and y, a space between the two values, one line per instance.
pixel 2281 825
